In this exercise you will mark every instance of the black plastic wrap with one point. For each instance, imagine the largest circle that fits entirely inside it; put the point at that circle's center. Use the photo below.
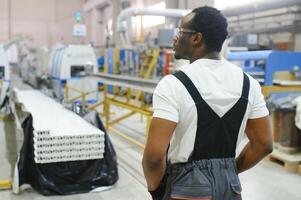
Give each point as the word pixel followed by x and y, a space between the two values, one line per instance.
pixel 63 178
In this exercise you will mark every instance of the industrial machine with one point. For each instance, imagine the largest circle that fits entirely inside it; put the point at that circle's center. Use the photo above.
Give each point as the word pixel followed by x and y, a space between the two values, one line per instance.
pixel 4 74
pixel 34 66
pixel 68 65
pixel 152 63
pixel 266 66
pixel 4 67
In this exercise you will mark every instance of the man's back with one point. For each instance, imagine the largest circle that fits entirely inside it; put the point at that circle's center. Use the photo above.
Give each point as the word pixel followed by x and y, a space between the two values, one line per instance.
pixel 200 114
pixel 220 84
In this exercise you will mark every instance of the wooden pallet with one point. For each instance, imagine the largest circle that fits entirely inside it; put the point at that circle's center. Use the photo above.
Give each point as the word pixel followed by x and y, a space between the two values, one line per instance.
pixel 290 162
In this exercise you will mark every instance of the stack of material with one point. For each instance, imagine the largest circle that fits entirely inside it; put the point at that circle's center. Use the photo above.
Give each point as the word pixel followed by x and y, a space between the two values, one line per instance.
pixel 59 134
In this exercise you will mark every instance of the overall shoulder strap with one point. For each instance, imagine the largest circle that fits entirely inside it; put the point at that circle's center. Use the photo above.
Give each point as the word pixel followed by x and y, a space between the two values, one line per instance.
pixel 190 87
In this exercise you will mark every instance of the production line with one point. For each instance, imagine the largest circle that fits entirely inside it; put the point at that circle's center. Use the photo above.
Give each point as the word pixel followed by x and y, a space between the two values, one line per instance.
pixel 79 110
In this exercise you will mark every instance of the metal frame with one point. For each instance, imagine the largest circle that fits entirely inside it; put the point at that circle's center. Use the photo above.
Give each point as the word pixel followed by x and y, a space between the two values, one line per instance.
pixel 134 109
pixel 82 96
pixel 266 90
pixel 147 86
pixel 5 184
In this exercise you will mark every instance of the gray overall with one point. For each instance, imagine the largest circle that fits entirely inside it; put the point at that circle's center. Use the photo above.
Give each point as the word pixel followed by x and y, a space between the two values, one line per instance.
pixel 210 172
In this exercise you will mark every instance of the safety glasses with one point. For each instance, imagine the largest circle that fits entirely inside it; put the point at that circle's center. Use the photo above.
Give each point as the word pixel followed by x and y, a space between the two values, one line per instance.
pixel 179 31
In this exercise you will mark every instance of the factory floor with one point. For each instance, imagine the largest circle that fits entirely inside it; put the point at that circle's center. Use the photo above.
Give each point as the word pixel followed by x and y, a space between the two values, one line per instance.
pixel 266 181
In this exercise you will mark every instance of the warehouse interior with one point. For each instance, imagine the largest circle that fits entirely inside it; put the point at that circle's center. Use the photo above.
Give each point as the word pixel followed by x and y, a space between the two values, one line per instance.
pixel 77 79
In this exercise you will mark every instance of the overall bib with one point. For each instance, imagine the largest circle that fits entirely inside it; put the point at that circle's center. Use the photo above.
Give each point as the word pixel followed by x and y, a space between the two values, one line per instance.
pixel 210 172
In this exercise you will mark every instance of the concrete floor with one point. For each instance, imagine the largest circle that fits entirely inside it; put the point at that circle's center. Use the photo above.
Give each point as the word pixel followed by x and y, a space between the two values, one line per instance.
pixel 266 181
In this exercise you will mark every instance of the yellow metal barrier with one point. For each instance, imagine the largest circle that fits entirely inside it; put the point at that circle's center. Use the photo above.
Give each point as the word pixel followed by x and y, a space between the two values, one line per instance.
pixel 5 185
pixel 149 63
pixel 266 90
pixel 134 109
pixel 148 113
pixel 82 95
pixel 128 138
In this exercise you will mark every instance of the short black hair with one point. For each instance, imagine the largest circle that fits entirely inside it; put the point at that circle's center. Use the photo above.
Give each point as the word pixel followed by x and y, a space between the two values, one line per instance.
pixel 213 26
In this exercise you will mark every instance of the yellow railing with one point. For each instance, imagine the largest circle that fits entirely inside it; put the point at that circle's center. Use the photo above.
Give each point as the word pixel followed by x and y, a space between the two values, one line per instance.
pixel 82 95
pixel 133 109
pixel 5 184
pixel 266 90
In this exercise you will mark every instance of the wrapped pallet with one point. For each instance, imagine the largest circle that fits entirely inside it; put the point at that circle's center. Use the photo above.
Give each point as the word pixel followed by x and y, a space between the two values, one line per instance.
pixel 62 153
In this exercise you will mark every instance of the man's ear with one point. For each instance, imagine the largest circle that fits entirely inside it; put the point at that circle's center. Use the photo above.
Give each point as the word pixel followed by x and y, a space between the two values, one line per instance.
pixel 198 39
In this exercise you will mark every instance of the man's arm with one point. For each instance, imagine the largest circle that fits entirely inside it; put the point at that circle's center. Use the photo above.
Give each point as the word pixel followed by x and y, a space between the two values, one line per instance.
pixel 260 145
pixel 154 158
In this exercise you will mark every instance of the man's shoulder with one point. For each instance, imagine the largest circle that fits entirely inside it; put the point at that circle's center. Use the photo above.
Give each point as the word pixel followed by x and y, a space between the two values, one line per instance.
pixel 168 79
pixel 167 84
pixel 253 81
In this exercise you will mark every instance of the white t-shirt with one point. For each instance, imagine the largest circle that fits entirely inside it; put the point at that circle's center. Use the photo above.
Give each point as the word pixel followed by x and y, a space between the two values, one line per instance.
pixel 220 84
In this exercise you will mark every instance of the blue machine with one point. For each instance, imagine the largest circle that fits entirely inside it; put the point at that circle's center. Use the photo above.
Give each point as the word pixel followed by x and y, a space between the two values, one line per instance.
pixel 264 64
pixel 119 61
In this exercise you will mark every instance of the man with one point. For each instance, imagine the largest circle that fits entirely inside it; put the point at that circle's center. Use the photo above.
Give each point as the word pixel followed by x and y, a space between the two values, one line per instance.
pixel 200 115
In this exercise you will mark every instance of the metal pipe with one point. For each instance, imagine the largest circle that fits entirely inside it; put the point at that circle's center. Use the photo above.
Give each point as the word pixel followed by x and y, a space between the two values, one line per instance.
pixel 90 5
pixel 127 13
pixel 259 6
pixel 126 81
pixel 121 23
pixel 253 18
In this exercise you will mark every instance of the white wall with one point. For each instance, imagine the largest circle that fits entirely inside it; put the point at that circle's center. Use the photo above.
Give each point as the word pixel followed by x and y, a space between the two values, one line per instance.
pixel 3 20
pixel 28 17
pixel 44 21
pixel 62 27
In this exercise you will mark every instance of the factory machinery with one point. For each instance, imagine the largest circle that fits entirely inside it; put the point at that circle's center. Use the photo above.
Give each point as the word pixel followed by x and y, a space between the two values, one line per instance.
pixel 275 70
pixel 75 77
pixel 148 64
pixel 4 75
pixel 265 65
pixel 83 144
pixel 279 74
pixel 34 65
pixel 68 65
pixel 60 69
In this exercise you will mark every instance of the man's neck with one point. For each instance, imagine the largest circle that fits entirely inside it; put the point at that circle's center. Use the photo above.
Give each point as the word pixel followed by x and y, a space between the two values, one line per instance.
pixel 212 55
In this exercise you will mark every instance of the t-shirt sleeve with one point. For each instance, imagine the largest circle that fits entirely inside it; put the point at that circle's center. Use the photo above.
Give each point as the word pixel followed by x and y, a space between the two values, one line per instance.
pixel 258 107
pixel 165 100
